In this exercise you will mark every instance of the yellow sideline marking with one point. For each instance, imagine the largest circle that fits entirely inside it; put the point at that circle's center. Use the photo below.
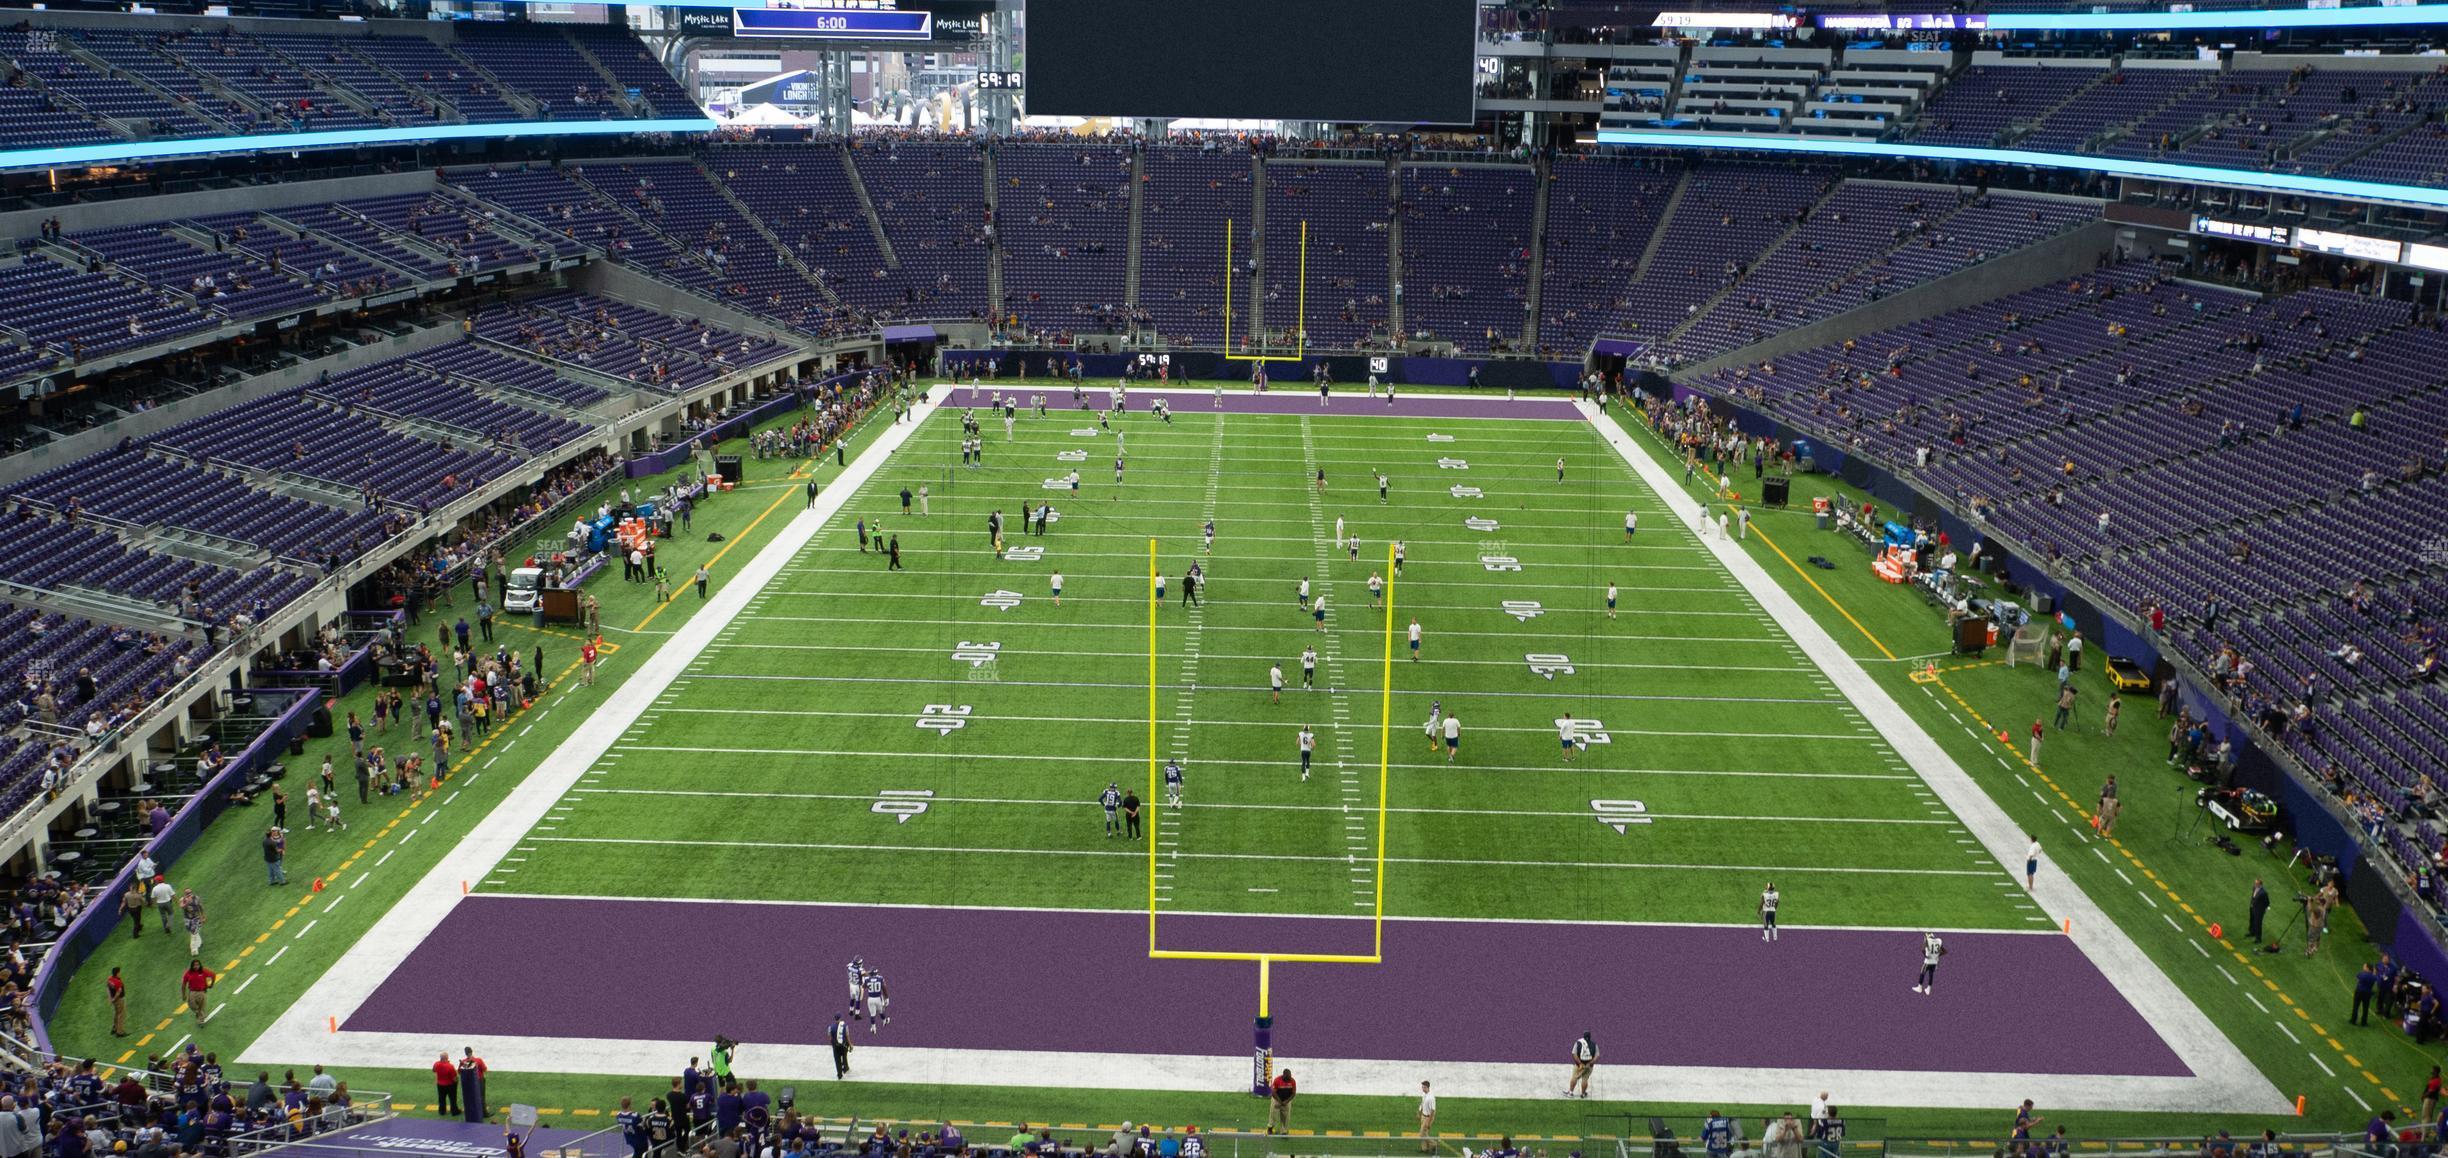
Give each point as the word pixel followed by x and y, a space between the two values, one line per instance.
pixel 1814 585
pixel 736 540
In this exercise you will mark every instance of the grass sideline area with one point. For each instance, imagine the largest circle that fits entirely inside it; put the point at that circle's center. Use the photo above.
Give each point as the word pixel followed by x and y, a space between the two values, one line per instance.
pixel 276 940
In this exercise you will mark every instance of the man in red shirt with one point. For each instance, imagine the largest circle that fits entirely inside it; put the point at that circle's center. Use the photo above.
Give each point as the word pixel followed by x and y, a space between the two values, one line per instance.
pixel 196 980
pixel 446 1085
pixel 118 1003
pixel 1279 1102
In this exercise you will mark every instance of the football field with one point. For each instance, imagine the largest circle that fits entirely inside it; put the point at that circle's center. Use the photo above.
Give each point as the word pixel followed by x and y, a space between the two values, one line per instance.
pixel 940 735
pixel 905 764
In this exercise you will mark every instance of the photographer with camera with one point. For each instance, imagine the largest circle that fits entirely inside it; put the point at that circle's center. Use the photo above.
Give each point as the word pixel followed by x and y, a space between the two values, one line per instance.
pixel 2316 915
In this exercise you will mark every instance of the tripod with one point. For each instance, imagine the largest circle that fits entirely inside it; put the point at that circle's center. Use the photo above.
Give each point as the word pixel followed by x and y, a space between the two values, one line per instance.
pixel 2184 833
pixel 2292 922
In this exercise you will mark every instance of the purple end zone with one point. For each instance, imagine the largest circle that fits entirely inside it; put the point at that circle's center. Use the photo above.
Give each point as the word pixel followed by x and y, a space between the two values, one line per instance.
pixel 1464 991
pixel 1288 400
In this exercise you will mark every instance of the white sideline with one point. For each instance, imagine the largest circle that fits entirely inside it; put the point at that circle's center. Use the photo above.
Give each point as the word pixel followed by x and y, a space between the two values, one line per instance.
pixel 301 1031
pixel 2224 1080
pixel 877 1060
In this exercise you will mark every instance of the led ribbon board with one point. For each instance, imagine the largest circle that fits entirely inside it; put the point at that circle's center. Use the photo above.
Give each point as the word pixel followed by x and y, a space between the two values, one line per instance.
pixel 2386 14
pixel 2112 166
pixel 116 152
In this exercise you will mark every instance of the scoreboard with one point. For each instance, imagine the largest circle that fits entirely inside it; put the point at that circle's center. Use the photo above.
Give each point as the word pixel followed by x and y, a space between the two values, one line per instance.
pixel 1351 61
pixel 864 20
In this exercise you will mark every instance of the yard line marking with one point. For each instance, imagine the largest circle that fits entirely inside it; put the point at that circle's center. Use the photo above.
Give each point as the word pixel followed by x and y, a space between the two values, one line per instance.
pixel 361 878
pixel 1090 852
pixel 310 924
pixel 1544 696
pixel 2316 1060
pixel 334 905
pixel 1440 766
pixel 1091 805
pixel 385 856
pixel 933 597
pixel 275 957
pixel 242 986
pixel 1104 626
pixel 1191 721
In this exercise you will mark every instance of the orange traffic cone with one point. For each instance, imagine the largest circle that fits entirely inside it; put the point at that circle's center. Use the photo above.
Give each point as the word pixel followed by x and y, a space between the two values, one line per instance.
pixel 317 886
pixel 2002 737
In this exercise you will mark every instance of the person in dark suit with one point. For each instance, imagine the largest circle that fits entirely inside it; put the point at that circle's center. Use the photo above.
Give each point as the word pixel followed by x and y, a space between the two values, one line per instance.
pixel 839 1035
pixel 676 1103
pixel 2258 911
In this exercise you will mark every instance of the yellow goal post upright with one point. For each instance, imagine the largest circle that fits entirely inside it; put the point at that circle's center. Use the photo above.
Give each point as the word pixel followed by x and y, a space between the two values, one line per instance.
pixel 1263 1060
pixel 1300 309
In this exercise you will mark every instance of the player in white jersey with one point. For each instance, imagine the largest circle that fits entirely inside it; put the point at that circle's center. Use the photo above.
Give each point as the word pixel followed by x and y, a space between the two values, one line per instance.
pixel 1304 593
pixel 1308 748
pixel 1768 908
pixel 1568 733
pixel 879 1001
pixel 858 987
pixel 1309 668
pixel 1931 950
pixel 1376 589
pixel 1173 783
pixel 1275 683
pixel 1631 524
pixel 1435 727
pixel 1610 600
pixel 1338 530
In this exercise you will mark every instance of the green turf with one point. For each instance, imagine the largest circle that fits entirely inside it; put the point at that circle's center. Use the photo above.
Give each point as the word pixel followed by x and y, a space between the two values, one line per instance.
pixel 225 865
pixel 1712 723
